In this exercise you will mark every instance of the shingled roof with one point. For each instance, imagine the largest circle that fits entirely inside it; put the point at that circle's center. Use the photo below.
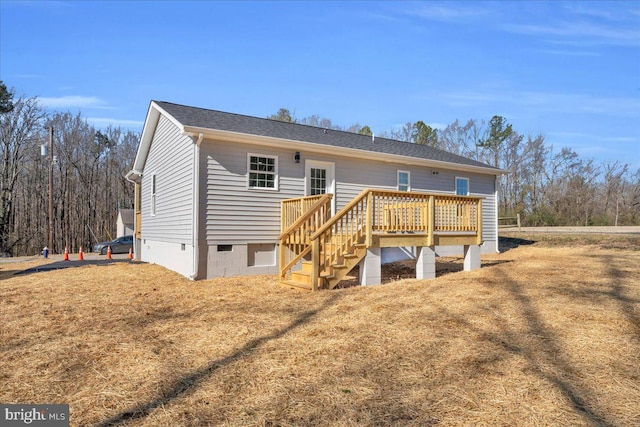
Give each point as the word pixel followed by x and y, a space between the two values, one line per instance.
pixel 219 120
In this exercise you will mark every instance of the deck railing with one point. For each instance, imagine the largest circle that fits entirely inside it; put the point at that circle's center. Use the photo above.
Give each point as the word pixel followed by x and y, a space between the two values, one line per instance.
pixel 294 240
pixel 338 236
pixel 292 209
pixel 372 212
pixel 456 213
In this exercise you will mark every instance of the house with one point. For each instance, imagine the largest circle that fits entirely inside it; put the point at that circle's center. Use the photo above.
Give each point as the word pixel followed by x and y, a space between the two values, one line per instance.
pixel 217 194
pixel 125 222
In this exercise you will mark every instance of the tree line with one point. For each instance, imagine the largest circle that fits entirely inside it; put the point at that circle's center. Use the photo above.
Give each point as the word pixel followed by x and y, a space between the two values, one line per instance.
pixel 547 186
pixel 88 178
pixel 544 185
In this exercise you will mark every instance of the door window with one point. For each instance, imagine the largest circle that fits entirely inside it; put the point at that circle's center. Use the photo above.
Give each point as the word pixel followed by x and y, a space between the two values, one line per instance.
pixel 318 181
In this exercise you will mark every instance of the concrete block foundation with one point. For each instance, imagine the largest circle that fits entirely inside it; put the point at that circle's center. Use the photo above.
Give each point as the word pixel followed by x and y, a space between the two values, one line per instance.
pixel 471 257
pixel 371 268
pixel 426 263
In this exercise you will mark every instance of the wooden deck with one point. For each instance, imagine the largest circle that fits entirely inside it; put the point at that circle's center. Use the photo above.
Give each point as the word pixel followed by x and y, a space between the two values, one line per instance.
pixel 317 250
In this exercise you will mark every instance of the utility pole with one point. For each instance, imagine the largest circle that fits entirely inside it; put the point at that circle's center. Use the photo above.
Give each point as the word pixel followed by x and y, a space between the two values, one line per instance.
pixel 51 189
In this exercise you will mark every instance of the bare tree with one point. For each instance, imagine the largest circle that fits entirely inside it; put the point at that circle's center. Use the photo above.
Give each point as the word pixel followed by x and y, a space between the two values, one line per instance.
pixel 19 127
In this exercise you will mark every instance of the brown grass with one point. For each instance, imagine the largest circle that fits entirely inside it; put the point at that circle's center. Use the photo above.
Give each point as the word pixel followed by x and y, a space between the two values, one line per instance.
pixel 544 334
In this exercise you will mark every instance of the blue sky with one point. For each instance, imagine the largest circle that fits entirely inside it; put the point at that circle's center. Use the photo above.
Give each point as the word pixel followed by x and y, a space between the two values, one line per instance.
pixel 567 70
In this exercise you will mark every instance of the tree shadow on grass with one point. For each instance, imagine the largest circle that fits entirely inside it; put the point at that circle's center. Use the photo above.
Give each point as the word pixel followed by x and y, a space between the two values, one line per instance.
pixel 544 355
pixel 548 352
pixel 455 265
pixel 627 305
pixel 406 269
pixel 188 383
pixel 505 244
pixel 614 290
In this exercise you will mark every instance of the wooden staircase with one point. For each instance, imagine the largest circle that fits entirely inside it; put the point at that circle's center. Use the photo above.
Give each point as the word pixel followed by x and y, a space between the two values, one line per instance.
pixel 329 279
pixel 318 250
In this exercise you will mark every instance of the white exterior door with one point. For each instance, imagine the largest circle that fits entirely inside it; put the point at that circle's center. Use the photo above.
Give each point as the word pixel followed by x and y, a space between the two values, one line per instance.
pixel 320 179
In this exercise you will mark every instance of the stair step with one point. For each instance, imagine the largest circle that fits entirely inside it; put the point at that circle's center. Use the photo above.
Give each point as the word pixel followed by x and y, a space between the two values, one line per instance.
pixel 340 266
pixel 307 266
pixel 301 277
pixel 350 256
pixel 296 285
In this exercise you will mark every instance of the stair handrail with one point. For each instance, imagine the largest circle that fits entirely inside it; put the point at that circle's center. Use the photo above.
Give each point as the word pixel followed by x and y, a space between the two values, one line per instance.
pixel 292 209
pixel 311 211
pixel 316 269
pixel 341 213
pixel 322 202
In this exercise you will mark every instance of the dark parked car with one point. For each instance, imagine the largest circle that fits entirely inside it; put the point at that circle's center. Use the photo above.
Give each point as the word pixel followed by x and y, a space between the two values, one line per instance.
pixel 119 246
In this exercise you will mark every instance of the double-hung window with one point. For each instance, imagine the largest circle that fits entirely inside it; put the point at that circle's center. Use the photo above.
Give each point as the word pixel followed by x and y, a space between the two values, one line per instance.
pixel 462 186
pixel 263 171
pixel 153 195
pixel 404 181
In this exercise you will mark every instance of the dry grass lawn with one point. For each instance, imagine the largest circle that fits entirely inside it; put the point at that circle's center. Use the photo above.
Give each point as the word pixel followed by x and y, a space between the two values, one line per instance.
pixel 544 334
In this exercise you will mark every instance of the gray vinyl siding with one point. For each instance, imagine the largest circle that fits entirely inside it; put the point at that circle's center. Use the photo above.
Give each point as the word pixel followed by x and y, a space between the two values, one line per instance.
pixel 170 159
pixel 236 214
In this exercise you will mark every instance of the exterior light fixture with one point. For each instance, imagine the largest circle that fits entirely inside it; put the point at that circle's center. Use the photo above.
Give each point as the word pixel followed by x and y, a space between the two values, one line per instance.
pixel 296 157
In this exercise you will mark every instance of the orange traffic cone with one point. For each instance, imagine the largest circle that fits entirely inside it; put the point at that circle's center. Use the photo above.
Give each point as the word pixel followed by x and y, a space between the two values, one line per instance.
pixel 66 254
pixel 108 252
pixel 80 255
pixel 130 253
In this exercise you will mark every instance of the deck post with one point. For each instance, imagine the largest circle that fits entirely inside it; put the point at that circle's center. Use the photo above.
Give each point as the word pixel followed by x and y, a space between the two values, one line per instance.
pixel 281 258
pixel 369 219
pixel 315 264
pixel 426 262
pixel 371 267
pixel 432 220
pixel 471 257
pixel 479 222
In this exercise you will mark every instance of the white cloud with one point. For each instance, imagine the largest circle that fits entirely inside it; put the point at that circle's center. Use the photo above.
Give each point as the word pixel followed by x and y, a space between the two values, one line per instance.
pixel 566 134
pixel 569 52
pixel 548 102
pixel 102 122
pixel 29 76
pixel 580 33
pixel 73 101
pixel 622 139
pixel 580 9
pixel 445 12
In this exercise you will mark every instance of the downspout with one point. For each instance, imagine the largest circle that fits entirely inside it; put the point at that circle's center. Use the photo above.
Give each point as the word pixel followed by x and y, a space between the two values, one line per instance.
pixel 132 173
pixel 135 177
pixel 196 207
pixel 495 189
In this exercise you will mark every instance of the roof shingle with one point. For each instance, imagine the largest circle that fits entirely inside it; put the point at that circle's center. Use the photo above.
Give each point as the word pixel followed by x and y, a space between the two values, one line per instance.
pixel 219 120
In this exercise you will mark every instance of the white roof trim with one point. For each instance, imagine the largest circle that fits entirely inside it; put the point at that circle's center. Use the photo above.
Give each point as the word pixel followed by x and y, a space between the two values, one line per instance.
pixel 322 148
pixel 153 116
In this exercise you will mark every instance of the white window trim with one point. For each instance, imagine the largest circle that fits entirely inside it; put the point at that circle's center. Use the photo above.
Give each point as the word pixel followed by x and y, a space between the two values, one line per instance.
pixel 154 192
pixel 275 173
pixel 408 180
pixel 455 189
